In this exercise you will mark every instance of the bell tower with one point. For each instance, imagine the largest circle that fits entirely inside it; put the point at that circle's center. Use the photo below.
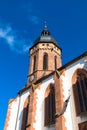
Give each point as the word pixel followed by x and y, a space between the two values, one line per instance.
pixel 45 56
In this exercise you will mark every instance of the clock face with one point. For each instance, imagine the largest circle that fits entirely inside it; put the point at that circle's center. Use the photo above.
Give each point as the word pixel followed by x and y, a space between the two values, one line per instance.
pixel 31 78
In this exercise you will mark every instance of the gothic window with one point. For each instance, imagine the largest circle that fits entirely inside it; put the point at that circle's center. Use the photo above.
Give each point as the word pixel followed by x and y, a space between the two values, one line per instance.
pixel 50 106
pixel 55 61
pixel 83 126
pixel 80 93
pixel 45 61
pixel 25 114
pixel 34 65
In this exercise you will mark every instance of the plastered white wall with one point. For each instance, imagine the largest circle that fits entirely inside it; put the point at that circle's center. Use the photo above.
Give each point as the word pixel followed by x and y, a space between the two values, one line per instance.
pixel 16 112
pixel 16 107
pixel 71 119
pixel 22 99
pixel 13 106
pixel 39 124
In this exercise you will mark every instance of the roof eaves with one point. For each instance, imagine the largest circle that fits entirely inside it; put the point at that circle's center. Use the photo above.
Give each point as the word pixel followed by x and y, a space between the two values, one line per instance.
pixel 37 82
pixel 45 42
pixel 73 61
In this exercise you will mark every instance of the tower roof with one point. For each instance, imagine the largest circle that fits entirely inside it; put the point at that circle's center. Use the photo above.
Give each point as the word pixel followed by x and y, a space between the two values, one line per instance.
pixel 45 37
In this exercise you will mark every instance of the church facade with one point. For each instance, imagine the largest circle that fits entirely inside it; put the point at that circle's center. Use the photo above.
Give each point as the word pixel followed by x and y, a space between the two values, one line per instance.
pixel 55 97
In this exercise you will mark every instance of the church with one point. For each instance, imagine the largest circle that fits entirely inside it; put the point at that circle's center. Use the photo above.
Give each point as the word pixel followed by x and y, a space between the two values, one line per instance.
pixel 55 96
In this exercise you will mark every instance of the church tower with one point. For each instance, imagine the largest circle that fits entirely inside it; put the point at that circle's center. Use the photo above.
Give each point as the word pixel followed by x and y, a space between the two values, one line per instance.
pixel 45 56
pixel 52 100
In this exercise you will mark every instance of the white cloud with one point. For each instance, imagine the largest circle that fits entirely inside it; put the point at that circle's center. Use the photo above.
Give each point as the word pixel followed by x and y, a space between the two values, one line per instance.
pixel 2 33
pixel 12 39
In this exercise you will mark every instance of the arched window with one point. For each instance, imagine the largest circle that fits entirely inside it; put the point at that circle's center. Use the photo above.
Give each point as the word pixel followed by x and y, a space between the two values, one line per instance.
pixel 45 61
pixel 34 65
pixel 80 92
pixel 55 61
pixel 25 114
pixel 50 106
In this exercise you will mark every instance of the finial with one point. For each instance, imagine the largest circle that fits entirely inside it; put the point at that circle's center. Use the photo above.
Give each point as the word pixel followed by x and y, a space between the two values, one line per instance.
pixel 45 25
pixel 45 31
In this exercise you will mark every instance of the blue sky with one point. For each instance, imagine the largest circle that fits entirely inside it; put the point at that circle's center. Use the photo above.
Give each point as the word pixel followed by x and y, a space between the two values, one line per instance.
pixel 21 22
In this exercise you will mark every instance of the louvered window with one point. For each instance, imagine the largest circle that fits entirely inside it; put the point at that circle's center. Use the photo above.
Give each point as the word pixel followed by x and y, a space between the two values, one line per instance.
pixel 50 107
pixel 45 61
pixel 25 114
pixel 80 93
pixel 55 61
pixel 34 65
